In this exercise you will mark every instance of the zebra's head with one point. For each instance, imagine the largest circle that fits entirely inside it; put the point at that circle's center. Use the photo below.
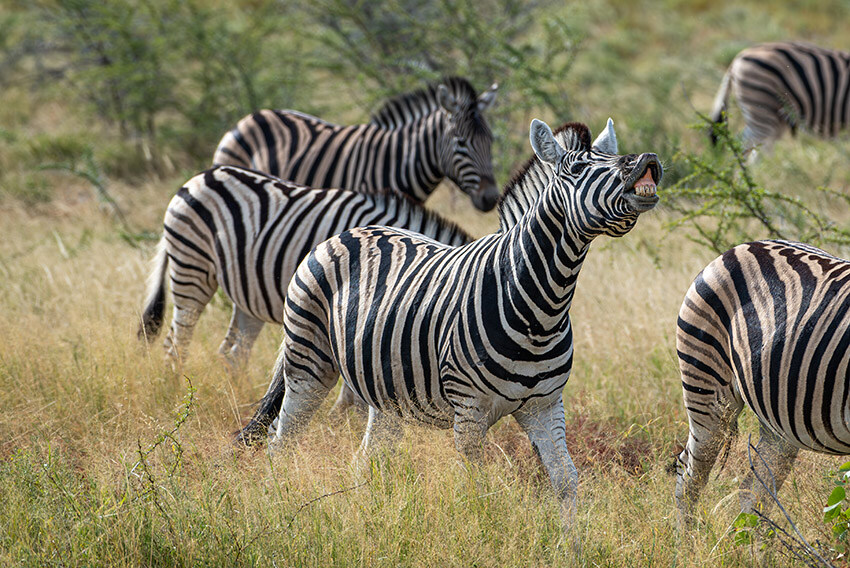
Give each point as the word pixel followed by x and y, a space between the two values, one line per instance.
pixel 603 192
pixel 465 145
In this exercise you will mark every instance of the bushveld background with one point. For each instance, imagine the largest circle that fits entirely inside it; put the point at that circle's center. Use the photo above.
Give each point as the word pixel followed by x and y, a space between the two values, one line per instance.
pixel 108 458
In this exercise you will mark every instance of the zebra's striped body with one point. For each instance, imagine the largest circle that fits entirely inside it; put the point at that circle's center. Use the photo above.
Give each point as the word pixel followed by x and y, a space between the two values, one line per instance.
pixel 767 325
pixel 782 85
pixel 247 232
pixel 409 146
pixel 459 337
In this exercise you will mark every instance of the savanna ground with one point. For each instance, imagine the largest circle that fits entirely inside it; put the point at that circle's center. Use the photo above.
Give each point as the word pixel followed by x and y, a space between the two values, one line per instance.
pixel 108 458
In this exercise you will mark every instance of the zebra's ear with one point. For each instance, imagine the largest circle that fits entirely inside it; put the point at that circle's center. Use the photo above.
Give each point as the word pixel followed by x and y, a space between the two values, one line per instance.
pixel 544 144
pixel 607 139
pixel 447 100
pixel 486 99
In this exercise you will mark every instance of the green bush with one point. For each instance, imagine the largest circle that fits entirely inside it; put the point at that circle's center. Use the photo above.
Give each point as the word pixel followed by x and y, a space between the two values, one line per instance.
pixel 721 204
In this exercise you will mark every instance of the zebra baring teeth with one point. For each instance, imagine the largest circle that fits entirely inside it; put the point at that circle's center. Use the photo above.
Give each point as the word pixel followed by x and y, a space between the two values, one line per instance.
pixel 645 186
pixel 641 182
pixel 460 337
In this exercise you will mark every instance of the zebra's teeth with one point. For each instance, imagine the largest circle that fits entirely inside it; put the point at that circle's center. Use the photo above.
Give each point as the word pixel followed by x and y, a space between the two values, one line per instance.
pixel 645 189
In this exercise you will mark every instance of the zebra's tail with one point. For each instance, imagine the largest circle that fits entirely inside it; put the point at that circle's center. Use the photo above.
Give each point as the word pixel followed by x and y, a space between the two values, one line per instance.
pixel 257 428
pixel 154 313
pixel 718 111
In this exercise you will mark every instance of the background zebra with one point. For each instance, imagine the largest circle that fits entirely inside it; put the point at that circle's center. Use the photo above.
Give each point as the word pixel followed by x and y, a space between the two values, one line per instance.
pixel 782 85
pixel 459 337
pixel 765 324
pixel 247 232
pixel 410 145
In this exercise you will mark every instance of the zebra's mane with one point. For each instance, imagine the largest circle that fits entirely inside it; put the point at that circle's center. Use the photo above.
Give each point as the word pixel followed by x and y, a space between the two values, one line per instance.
pixel 415 209
pixel 530 179
pixel 410 107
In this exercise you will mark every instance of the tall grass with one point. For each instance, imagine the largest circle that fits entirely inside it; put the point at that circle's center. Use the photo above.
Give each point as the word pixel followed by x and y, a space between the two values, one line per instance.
pixel 105 461
pixel 80 398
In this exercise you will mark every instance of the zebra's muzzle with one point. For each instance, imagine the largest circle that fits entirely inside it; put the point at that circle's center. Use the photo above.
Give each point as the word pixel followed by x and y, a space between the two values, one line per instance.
pixel 642 183
pixel 486 196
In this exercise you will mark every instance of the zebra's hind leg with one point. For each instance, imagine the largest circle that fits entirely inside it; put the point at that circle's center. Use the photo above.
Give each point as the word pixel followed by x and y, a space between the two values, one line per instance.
pixel 182 326
pixel 191 293
pixel 711 429
pixel 240 338
pixel 308 375
pixel 471 422
pixel 771 461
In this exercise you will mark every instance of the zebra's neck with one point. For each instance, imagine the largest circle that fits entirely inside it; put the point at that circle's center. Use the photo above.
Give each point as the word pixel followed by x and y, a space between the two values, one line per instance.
pixel 526 185
pixel 545 253
pixel 410 156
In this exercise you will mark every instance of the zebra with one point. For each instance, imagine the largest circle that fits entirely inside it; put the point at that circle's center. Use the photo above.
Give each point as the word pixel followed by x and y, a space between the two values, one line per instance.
pixel 459 337
pixel 765 324
pixel 785 85
pixel 246 232
pixel 520 193
pixel 409 145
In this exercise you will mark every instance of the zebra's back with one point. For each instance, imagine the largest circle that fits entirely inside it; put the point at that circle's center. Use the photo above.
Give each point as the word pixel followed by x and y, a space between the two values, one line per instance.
pixel 770 320
pixel 298 147
pixel 411 144
pixel 804 84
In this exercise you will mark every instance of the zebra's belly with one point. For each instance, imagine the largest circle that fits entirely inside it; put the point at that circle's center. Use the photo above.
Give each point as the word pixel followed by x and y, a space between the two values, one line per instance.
pixel 811 412
pixel 416 402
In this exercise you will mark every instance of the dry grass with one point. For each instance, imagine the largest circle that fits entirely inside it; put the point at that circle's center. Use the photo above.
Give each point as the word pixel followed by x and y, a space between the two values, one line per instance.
pixel 79 397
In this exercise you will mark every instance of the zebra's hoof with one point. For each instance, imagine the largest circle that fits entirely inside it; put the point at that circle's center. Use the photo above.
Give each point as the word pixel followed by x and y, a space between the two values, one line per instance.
pixel 273 429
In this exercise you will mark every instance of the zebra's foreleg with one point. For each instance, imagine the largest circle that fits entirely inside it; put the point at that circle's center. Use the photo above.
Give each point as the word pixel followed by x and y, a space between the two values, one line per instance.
pixel 772 461
pixel 383 432
pixel 241 335
pixel 546 429
pixel 347 399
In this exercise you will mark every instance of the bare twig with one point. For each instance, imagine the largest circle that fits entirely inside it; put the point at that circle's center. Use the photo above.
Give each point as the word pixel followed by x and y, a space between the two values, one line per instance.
pixel 331 494
pixel 796 543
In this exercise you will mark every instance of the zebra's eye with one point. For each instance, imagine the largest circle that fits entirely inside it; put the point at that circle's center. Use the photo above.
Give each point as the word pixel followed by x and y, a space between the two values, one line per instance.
pixel 578 167
pixel 461 142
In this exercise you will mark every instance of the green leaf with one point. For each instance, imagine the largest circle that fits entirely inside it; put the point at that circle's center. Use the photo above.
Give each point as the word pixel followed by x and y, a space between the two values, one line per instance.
pixel 837 496
pixel 831 513
pixel 743 538
pixel 746 520
pixel 844 467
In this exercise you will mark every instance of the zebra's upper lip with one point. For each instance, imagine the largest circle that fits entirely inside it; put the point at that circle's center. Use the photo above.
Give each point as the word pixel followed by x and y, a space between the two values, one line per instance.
pixel 641 183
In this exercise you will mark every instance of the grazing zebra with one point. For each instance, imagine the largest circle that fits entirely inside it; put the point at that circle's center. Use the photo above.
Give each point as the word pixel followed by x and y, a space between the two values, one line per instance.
pixel 410 145
pixel 782 85
pixel 765 324
pixel 459 337
pixel 247 232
